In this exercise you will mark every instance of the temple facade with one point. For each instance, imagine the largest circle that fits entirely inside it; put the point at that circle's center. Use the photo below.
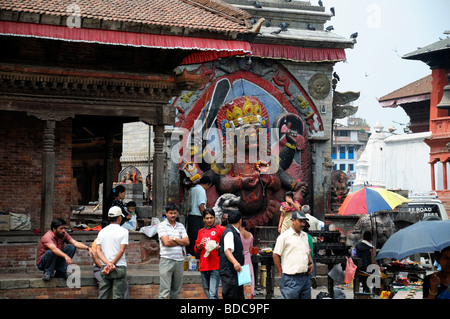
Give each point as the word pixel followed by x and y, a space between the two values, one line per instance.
pixel 284 88
pixel 437 57
pixel 71 75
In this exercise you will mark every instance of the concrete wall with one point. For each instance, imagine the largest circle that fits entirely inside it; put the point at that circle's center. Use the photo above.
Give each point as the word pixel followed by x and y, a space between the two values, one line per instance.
pixel 320 146
pixel 407 158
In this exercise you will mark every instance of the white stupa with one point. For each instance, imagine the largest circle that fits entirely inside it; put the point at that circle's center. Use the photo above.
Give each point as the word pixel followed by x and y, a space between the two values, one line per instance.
pixel 371 166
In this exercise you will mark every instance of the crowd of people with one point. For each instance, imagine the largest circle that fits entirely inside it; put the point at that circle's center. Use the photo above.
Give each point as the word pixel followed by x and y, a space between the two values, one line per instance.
pixel 223 249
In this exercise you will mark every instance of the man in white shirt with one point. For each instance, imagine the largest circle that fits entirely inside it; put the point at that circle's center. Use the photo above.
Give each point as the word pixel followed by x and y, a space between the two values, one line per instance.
pixel 195 216
pixel 111 244
pixel 172 242
pixel 296 264
pixel 314 223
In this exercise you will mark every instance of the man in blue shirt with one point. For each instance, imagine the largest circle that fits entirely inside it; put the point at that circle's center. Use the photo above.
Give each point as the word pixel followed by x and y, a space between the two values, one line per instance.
pixel 198 205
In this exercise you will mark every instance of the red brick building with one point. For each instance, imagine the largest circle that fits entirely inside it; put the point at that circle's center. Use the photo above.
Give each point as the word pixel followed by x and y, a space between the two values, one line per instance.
pixel 422 100
pixel 414 98
pixel 437 57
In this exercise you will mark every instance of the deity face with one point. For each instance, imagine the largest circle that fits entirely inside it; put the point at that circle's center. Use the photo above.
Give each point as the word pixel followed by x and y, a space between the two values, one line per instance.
pixel 319 86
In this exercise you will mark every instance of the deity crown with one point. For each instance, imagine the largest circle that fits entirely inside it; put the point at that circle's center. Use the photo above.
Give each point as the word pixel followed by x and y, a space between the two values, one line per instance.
pixel 248 114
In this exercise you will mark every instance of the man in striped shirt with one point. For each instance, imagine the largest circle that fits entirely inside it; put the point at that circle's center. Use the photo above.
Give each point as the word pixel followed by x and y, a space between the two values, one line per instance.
pixel 172 242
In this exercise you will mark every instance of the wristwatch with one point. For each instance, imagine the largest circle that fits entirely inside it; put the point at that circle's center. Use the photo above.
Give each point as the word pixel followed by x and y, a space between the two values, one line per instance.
pixel 174 239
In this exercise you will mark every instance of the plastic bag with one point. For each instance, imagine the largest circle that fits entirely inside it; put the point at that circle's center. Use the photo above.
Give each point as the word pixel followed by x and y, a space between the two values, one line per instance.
pixel 337 274
pixel 210 246
pixel 130 224
pixel 339 294
pixel 152 229
pixel 350 271
pixel 19 221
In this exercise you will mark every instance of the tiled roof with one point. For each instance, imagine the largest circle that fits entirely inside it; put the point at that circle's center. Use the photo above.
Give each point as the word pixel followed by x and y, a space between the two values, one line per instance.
pixel 442 45
pixel 419 87
pixel 202 15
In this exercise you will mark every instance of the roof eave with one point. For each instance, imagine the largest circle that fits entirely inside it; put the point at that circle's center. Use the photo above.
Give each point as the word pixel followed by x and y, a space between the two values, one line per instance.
pixel 125 26
pixel 393 103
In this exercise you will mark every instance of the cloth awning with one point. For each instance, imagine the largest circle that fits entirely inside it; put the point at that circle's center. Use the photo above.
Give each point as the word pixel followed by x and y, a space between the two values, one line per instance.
pixel 286 52
pixel 208 49
pixel 279 52
pixel 224 47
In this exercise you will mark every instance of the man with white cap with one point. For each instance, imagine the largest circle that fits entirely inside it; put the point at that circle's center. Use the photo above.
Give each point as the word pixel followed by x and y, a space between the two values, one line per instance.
pixel 111 244
pixel 296 263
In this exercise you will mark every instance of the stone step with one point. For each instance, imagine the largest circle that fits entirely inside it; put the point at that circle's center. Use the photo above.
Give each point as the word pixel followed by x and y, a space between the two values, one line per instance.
pixel 322 281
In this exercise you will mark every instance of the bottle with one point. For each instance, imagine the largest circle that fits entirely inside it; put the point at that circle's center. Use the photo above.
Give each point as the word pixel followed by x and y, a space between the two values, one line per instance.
pixel 186 263
pixel 192 263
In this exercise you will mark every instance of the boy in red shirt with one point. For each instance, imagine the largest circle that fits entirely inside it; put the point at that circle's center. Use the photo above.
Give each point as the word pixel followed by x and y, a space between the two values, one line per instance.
pixel 207 245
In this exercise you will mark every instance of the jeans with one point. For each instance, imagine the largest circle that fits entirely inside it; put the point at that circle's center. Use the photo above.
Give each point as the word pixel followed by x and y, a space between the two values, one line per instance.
pixel 295 286
pixel 115 281
pixel 170 278
pixel 210 281
pixel 50 262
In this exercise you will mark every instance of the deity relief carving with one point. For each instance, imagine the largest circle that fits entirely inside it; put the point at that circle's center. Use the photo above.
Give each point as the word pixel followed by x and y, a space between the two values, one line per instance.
pixel 271 104
pixel 339 189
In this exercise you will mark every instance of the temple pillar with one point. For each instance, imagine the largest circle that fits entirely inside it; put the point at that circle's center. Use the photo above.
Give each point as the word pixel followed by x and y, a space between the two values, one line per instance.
pixel 48 175
pixel 108 173
pixel 158 172
pixel 444 173
pixel 433 179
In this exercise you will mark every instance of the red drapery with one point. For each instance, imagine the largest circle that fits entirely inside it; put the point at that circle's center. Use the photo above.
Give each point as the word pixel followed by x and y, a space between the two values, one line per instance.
pixel 208 49
pixel 286 52
pixel 273 51
pixel 223 47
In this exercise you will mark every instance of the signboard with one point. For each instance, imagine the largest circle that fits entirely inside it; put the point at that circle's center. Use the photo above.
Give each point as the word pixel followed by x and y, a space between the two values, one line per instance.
pixel 428 210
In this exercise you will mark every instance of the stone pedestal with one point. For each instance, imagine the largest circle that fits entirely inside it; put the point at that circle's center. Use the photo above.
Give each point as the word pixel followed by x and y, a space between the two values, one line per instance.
pixel 133 193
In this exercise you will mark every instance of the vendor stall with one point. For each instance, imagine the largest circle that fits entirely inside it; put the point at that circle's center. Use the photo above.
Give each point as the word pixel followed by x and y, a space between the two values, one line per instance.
pixel 405 279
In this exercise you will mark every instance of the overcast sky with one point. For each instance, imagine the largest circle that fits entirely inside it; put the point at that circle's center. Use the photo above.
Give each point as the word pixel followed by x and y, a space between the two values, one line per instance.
pixel 387 30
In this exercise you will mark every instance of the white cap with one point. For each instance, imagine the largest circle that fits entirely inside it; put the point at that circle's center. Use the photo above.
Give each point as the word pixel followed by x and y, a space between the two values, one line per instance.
pixel 115 211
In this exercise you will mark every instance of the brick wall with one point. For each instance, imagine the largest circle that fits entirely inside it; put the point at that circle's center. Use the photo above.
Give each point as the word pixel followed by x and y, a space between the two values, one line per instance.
pixel 21 165
pixel 18 253
pixel 142 254
pixel 188 291
pixel 18 257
